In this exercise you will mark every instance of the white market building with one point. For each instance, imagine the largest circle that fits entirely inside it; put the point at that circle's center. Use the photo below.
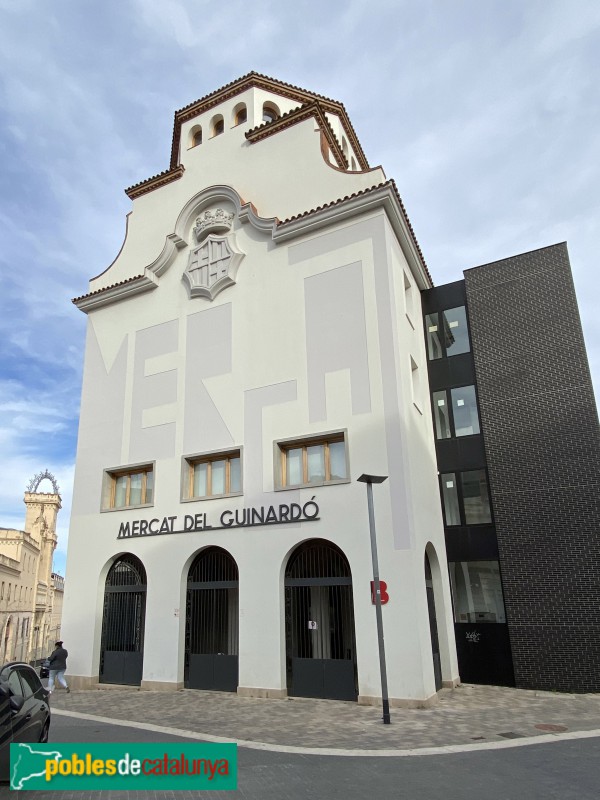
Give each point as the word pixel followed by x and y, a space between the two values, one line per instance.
pixel 253 349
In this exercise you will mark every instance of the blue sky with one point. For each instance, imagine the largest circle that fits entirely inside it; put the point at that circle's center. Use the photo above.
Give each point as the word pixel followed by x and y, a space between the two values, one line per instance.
pixel 486 114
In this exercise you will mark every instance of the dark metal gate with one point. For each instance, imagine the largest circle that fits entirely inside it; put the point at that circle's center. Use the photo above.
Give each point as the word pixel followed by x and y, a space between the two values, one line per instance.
pixel 122 644
pixel 211 627
pixel 319 623
pixel 433 629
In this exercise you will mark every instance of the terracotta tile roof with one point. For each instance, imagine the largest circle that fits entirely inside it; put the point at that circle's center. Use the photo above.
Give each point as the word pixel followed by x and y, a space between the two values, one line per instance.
pixel 246 79
pixel 264 125
pixel 254 79
pixel 106 288
pixel 292 118
pixel 410 227
pixel 301 96
pixel 143 187
pixel 333 203
pixel 390 183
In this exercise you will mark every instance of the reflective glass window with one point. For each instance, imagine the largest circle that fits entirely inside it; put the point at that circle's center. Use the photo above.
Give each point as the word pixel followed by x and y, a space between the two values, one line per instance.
pixel 337 460
pixel 235 465
pixel 120 491
pixel 294 466
pixel 450 499
pixel 476 501
pixel 316 463
pixel 313 462
pixel 477 591
pixel 456 334
pixel 149 486
pixel 218 485
pixel 432 330
pixel 135 489
pixel 464 410
pixel 447 333
pixel 200 480
pixel 124 489
pixel 213 476
pixel 441 415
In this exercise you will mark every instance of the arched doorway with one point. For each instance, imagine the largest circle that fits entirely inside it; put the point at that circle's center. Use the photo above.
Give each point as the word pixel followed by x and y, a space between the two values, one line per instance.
pixel 319 623
pixel 123 618
pixel 211 624
pixel 435 643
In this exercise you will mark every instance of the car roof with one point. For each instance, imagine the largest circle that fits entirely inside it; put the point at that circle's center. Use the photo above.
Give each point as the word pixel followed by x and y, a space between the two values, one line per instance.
pixel 15 664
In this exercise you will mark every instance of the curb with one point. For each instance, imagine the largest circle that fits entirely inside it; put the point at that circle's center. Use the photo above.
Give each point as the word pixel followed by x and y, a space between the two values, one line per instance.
pixel 344 753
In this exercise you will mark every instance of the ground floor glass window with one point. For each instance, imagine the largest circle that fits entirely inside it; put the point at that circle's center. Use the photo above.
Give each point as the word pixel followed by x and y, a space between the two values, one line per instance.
pixel 477 591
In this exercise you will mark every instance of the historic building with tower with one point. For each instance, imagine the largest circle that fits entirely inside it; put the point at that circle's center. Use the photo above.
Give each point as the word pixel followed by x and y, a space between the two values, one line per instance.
pixel 30 593
pixel 257 345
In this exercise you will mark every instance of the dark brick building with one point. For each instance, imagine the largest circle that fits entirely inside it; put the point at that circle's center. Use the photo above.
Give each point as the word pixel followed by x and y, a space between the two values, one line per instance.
pixel 517 441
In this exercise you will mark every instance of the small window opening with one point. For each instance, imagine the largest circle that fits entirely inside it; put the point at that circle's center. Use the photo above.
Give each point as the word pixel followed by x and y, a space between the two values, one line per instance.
pixel 270 112
pixel 195 136
pixel 240 115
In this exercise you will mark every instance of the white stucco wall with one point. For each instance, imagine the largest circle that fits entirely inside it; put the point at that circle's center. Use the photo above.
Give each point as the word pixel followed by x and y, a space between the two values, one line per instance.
pixel 168 376
pixel 262 173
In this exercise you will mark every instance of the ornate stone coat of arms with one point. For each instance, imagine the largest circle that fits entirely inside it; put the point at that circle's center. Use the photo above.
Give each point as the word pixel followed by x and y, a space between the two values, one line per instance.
pixel 213 264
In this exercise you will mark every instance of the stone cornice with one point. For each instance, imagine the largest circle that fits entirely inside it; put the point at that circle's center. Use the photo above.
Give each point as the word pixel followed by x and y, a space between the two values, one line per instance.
pixel 42 498
pixel 174 242
pixel 293 118
pixel 20 537
pixel 136 285
pixel 9 566
pixel 149 185
pixel 118 291
pixel 385 196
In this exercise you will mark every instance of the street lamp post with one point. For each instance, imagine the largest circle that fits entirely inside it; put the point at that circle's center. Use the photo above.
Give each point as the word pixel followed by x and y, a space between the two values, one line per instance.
pixel 370 480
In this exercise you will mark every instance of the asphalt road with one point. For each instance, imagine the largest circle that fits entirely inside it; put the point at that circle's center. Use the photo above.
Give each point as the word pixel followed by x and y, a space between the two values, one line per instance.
pixel 561 770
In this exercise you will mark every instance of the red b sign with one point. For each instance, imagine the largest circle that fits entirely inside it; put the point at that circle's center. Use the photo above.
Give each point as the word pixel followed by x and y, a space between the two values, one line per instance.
pixel 384 595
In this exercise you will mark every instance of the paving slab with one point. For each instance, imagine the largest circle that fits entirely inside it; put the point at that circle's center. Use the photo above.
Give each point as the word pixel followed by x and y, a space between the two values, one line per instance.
pixel 465 715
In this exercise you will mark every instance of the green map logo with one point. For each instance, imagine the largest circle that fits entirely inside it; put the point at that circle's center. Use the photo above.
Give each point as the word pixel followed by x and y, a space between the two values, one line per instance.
pixel 64 766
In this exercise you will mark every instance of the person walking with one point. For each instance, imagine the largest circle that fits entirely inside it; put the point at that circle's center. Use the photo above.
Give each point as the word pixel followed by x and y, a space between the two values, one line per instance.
pixel 57 667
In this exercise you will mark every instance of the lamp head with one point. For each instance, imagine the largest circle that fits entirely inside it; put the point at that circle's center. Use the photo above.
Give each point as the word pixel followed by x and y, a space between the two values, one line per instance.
pixel 364 478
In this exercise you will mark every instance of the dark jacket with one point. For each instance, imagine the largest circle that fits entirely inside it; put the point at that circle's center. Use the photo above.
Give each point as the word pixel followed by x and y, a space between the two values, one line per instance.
pixel 58 659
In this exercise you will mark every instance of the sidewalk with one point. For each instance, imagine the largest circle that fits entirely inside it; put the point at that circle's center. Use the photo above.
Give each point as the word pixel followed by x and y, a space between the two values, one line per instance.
pixel 466 715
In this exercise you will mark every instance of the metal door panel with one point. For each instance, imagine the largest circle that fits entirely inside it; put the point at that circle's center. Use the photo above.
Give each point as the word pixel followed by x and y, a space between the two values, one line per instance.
pixel 320 640
pixel 338 679
pixel 217 673
pixel 201 672
pixel 211 642
pixel 123 620
pixel 307 677
pixel 133 665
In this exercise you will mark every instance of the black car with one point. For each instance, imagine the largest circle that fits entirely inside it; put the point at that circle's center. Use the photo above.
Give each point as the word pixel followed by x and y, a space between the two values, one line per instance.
pixel 24 710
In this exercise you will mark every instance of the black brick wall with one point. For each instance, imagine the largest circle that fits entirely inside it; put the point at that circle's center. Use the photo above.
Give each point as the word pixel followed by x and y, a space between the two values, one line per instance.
pixel 541 434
